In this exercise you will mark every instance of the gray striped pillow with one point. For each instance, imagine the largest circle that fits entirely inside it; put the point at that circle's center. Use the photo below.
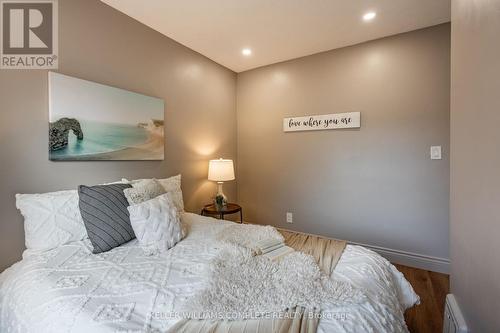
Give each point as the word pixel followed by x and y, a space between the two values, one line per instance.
pixel 105 215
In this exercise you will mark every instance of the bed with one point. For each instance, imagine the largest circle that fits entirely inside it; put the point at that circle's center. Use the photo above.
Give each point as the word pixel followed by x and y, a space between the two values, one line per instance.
pixel 69 289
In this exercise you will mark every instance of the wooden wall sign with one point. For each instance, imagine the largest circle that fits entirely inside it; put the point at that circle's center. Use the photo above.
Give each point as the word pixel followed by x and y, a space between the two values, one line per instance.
pixel 322 122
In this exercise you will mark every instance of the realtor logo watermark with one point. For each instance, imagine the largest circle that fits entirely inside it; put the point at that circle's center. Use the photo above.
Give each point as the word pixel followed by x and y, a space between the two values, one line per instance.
pixel 29 31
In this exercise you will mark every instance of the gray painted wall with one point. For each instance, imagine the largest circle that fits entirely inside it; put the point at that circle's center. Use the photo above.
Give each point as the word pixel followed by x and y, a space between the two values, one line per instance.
pixel 374 185
pixel 475 162
pixel 100 44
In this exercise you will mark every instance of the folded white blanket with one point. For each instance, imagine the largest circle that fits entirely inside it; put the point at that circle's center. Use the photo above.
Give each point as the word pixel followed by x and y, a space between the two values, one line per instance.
pixel 269 243
pixel 250 236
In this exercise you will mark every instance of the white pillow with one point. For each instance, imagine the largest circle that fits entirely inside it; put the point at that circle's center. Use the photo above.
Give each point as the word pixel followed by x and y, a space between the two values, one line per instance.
pixel 123 181
pixel 143 190
pixel 172 185
pixel 156 224
pixel 51 219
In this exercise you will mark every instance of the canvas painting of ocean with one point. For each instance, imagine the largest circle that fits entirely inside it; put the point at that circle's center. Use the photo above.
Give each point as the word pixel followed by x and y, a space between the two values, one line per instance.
pixel 92 121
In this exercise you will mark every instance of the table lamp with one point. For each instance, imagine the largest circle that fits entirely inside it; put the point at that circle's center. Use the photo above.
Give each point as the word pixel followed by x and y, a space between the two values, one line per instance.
pixel 220 171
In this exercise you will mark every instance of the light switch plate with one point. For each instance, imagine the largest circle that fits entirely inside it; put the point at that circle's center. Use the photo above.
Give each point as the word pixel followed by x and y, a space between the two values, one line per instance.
pixel 436 153
pixel 289 217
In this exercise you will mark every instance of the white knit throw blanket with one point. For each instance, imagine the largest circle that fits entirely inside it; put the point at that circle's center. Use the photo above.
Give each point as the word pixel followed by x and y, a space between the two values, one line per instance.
pixel 243 286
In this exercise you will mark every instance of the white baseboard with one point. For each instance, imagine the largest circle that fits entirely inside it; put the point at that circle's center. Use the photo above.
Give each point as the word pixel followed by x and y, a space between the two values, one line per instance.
pixel 429 263
pixel 411 259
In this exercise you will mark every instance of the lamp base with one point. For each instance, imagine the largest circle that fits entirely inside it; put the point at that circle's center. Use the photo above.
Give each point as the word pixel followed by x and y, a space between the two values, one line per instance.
pixel 220 198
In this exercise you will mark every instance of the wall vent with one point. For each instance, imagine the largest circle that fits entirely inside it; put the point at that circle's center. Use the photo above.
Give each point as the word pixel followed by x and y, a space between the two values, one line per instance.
pixel 453 320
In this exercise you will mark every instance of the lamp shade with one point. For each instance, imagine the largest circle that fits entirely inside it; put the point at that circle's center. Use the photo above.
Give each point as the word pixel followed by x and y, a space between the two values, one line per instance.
pixel 220 170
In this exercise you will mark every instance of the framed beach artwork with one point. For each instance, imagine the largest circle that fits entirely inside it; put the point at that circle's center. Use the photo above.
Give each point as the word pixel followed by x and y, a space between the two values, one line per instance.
pixel 92 121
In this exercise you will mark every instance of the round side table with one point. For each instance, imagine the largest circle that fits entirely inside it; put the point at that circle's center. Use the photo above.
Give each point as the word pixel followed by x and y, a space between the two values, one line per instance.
pixel 230 208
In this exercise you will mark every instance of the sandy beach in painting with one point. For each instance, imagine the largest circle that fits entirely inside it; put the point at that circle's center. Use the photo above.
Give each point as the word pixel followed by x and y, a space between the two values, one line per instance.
pixel 153 149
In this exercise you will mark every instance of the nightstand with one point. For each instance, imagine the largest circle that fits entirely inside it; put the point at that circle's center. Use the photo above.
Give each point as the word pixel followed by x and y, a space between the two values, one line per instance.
pixel 230 208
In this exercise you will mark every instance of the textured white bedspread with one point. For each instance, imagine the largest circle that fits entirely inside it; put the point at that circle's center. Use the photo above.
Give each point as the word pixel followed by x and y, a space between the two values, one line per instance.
pixel 69 289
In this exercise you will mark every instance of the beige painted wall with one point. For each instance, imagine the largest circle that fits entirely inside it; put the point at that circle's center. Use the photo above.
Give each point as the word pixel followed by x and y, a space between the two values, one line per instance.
pixel 475 162
pixel 100 44
pixel 374 185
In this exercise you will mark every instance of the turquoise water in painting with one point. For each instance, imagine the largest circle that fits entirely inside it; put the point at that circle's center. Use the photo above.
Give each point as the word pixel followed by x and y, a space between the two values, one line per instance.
pixel 100 138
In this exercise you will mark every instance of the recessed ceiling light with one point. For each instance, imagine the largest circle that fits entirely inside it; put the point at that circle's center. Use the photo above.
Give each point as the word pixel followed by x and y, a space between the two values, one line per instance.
pixel 246 52
pixel 369 16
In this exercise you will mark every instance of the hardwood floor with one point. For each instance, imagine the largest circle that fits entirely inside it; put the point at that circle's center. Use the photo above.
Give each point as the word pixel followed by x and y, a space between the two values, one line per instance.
pixel 432 288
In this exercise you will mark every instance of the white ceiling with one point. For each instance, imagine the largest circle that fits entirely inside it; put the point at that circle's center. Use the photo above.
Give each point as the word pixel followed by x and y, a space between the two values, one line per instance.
pixel 278 30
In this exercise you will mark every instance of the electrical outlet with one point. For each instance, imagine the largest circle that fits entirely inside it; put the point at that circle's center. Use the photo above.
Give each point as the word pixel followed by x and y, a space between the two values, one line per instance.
pixel 435 152
pixel 289 217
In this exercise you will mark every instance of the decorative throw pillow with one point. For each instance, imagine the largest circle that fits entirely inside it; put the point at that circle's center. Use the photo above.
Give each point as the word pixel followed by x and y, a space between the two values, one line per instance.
pixel 171 185
pixel 122 181
pixel 156 224
pixel 51 219
pixel 105 215
pixel 143 190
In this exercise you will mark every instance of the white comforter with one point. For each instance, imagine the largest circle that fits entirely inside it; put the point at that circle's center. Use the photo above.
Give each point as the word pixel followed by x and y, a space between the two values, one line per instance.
pixel 69 289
